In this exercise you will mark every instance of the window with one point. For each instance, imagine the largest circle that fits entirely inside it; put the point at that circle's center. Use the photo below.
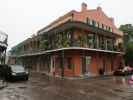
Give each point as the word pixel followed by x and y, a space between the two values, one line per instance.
pixel 102 26
pixel 90 40
pixel 93 23
pixel 97 24
pixel 111 30
pixel 87 20
pixel 68 35
pixel 95 40
pixel 105 27
pixel 102 41
pixel 109 44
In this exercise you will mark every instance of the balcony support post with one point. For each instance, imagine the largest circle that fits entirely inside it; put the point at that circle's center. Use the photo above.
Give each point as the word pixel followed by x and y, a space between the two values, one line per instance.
pixel 62 63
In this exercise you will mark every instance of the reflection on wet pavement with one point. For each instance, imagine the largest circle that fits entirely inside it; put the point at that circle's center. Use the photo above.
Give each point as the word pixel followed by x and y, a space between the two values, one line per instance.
pixel 45 88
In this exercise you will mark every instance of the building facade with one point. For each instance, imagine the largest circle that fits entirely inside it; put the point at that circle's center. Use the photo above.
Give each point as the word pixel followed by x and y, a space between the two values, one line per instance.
pixel 84 42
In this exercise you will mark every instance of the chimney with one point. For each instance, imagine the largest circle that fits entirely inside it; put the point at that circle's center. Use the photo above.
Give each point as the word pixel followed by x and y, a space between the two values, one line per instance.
pixel 99 9
pixel 83 7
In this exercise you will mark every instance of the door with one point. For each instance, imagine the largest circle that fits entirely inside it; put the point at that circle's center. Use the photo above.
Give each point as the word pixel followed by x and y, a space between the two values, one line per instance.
pixel 86 60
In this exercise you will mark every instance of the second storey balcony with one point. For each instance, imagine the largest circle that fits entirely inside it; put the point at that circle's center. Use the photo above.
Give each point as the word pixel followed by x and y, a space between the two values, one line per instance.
pixel 75 35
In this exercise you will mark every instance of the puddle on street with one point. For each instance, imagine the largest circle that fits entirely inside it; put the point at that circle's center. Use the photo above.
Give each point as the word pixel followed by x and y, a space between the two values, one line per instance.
pixel 120 81
pixel 96 89
pixel 22 87
pixel 123 81
pixel 118 90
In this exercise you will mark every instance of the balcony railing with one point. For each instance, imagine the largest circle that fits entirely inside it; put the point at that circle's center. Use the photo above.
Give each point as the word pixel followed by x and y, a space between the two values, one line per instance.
pixel 3 39
pixel 75 44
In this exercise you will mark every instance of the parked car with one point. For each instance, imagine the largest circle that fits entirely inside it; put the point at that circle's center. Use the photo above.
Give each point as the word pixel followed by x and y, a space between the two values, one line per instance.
pixel 15 72
pixel 18 72
pixel 127 70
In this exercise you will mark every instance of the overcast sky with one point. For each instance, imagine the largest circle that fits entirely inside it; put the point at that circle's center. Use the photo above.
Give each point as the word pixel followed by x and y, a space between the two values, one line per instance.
pixel 22 18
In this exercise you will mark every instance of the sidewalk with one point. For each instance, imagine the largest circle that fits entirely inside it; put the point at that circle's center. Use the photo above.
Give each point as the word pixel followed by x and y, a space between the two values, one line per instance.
pixel 37 74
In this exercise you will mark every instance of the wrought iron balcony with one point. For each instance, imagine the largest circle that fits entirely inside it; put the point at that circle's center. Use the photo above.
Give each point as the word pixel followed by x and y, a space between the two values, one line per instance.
pixel 39 51
pixel 3 39
pixel 63 37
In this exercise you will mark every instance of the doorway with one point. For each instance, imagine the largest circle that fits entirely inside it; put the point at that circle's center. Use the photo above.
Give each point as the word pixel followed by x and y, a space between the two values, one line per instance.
pixel 86 60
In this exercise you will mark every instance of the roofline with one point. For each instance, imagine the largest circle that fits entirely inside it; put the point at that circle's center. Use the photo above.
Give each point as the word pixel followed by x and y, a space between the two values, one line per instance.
pixel 69 48
pixel 55 21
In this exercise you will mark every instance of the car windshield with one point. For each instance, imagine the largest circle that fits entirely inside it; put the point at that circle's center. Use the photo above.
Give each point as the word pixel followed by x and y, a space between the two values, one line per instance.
pixel 17 68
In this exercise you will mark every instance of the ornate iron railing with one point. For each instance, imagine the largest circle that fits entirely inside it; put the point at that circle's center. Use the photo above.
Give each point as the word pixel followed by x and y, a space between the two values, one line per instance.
pixel 3 39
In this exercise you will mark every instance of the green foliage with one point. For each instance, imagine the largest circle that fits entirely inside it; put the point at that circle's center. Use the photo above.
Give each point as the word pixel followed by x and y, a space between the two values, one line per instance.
pixel 129 54
pixel 83 40
pixel 127 29
pixel 44 44
pixel 65 40
pixel 128 43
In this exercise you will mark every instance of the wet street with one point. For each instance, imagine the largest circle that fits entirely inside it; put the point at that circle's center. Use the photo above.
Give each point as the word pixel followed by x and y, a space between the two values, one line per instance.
pixel 41 87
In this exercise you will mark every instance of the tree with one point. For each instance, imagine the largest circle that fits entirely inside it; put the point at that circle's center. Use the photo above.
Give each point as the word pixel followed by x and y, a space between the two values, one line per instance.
pixel 128 43
pixel 127 29
pixel 129 54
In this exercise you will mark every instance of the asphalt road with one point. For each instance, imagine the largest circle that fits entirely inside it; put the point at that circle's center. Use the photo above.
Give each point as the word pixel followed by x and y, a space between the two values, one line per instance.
pixel 41 87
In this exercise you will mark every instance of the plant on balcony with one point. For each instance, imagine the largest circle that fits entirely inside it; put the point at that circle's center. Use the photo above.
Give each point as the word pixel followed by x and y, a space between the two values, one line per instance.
pixel 44 44
pixel 82 39
pixel 59 40
pixel 120 47
pixel 63 40
pixel 90 40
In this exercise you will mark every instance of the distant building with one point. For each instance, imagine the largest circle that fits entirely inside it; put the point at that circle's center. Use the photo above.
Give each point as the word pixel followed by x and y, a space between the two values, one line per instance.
pixel 84 42
pixel 3 47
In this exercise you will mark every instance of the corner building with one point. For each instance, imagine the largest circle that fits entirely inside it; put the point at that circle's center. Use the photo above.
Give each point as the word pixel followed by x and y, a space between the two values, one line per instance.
pixel 79 43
